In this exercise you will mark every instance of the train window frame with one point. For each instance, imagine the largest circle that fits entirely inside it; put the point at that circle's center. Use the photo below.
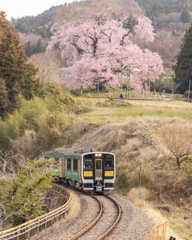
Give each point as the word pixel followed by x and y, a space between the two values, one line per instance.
pixel 68 164
pixel 75 165
pixel 88 164
pixel 98 164
pixel 109 164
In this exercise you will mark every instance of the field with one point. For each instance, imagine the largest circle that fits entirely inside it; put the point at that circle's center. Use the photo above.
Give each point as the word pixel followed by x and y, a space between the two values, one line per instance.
pixel 101 111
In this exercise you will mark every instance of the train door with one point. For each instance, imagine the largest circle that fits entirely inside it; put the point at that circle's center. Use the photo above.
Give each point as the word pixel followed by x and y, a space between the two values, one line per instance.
pixel 98 169
pixel 98 175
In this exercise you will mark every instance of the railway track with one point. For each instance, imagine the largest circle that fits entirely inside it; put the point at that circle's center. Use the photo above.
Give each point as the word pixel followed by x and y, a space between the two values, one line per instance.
pixel 109 215
pixel 81 223
pixel 93 217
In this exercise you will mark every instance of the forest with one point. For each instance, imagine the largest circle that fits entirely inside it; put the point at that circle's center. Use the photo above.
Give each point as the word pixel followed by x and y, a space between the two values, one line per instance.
pixel 41 23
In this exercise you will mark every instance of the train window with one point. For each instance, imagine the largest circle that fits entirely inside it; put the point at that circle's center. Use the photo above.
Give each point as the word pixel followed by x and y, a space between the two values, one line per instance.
pixel 68 164
pixel 75 164
pixel 109 164
pixel 98 164
pixel 88 164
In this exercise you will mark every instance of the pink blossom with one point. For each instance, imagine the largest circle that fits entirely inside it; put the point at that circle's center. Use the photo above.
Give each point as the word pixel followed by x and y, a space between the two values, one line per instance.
pixel 93 51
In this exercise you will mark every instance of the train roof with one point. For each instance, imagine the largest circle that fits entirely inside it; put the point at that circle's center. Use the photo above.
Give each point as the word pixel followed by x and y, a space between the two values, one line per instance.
pixel 48 154
pixel 57 153
pixel 85 150
pixel 64 150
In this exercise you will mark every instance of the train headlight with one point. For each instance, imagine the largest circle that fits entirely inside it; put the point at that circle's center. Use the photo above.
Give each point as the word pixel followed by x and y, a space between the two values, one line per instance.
pixel 98 154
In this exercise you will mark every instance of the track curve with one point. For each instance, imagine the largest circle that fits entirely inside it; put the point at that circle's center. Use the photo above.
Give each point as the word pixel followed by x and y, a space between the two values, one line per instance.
pixel 111 215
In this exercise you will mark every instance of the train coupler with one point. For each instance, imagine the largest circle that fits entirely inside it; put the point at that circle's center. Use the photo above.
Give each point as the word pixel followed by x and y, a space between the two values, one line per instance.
pixel 98 186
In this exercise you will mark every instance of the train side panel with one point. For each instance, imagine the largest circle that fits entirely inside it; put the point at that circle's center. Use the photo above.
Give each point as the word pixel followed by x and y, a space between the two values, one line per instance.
pixel 84 168
pixel 62 167
pixel 71 171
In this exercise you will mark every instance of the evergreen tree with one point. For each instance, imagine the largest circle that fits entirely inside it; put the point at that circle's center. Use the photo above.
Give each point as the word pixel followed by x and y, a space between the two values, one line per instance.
pixel 183 67
pixel 185 16
pixel 16 74
pixel 31 85
pixel 12 63
pixel 3 96
pixel 39 47
pixel 28 49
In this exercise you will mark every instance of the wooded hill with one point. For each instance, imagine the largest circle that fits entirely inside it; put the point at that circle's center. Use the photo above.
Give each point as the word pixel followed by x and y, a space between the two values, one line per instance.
pixel 170 19
pixel 41 23
pixel 158 7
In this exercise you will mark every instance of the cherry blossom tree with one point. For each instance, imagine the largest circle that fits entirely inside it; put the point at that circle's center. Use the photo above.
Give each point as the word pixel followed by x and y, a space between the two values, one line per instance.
pixel 95 50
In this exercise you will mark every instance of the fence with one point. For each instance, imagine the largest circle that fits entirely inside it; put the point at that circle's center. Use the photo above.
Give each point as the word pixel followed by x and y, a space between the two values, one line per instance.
pixel 130 96
pixel 32 229
pixel 158 233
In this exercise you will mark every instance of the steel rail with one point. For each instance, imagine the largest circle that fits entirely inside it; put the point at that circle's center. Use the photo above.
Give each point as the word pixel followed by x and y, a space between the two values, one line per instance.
pixel 33 228
pixel 119 215
pixel 100 213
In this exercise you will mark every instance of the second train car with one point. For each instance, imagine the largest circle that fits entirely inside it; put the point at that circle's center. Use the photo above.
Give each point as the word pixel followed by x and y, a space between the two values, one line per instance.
pixel 84 168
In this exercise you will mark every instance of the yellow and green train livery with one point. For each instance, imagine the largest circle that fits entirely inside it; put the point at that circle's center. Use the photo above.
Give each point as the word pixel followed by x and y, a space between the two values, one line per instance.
pixel 84 168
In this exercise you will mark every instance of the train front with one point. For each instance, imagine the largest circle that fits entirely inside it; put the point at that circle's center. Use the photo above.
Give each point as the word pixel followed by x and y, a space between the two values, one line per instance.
pixel 98 171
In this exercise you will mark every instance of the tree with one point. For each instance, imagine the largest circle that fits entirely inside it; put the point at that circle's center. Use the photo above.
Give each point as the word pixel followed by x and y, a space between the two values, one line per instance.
pixel 96 49
pixel 26 145
pixel 12 63
pixel 185 16
pixel 177 137
pixel 14 71
pixel 183 67
pixel 10 163
pixel 23 197
pixel 29 49
pixel 3 96
pixel 31 85
pixel 47 67
pixel 39 46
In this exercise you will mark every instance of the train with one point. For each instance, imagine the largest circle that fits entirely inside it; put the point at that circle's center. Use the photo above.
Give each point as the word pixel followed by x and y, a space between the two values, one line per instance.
pixel 84 168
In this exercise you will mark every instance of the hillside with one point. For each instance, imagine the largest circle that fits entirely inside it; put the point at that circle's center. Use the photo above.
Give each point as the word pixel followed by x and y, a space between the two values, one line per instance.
pixel 165 15
pixel 147 171
pixel 146 166
pixel 158 7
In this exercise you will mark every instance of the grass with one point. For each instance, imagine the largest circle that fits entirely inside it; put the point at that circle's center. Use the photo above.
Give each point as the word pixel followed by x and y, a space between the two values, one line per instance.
pixel 118 111
pixel 104 110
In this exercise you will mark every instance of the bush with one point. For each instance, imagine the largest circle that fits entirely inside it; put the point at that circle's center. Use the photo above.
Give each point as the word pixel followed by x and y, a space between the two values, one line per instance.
pixel 188 93
pixel 23 196
pixel 48 117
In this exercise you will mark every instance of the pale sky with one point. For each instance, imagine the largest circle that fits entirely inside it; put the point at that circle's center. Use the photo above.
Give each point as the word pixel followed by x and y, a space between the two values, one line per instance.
pixel 22 8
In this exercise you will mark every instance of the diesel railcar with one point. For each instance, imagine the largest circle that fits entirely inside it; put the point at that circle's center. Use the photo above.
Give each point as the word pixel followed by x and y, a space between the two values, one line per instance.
pixel 84 168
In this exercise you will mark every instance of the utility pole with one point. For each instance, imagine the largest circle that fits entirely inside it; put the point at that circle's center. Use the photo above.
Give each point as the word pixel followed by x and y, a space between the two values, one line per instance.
pixel 189 89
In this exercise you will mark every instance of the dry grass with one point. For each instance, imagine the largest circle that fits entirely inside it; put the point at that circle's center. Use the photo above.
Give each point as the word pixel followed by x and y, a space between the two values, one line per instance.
pixel 143 161
pixel 74 209
pixel 139 197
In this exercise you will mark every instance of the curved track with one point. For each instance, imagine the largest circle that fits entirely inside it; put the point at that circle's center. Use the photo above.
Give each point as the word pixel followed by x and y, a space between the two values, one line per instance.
pixel 106 220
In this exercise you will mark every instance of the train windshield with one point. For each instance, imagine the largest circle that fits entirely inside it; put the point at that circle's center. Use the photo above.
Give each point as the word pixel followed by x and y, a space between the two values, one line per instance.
pixel 88 164
pixel 109 162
